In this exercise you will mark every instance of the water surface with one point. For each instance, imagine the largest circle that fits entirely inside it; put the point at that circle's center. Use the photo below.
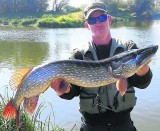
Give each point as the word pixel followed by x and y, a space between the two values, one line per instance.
pixel 27 47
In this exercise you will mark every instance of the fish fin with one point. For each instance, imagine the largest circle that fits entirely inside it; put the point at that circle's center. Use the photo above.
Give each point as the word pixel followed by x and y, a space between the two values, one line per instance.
pixel 17 77
pixel 30 104
pixel 9 111
pixel 121 85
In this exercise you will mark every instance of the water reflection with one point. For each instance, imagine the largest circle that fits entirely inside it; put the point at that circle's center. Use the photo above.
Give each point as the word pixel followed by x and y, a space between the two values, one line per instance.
pixel 21 54
pixel 59 43
pixel 144 24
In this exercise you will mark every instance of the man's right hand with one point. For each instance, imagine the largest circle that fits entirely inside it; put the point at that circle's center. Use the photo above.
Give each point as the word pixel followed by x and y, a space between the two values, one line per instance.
pixel 60 86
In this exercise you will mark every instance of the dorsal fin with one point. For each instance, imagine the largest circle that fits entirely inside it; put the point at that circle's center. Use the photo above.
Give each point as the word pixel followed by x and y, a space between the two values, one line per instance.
pixel 17 77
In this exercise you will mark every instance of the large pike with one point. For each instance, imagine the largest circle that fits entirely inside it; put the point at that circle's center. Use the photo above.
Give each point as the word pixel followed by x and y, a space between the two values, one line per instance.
pixel 31 82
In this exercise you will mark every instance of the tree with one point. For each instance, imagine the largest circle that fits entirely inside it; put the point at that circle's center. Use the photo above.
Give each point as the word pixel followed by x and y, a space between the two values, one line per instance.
pixel 157 5
pixel 115 6
pixel 59 4
pixel 36 5
pixel 9 6
pixel 141 7
pixel 2 8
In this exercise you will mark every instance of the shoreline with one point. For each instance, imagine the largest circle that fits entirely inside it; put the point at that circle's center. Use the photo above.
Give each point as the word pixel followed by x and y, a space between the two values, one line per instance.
pixel 51 20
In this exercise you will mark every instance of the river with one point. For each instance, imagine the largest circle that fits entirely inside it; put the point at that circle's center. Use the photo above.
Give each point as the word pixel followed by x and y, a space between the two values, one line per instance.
pixel 26 47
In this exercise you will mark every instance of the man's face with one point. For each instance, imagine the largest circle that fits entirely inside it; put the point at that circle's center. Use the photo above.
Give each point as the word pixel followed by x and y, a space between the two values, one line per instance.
pixel 99 29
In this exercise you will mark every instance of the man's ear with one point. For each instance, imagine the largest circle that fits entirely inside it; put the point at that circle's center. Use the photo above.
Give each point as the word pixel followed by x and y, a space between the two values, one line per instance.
pixel 110 20
pixel 86 25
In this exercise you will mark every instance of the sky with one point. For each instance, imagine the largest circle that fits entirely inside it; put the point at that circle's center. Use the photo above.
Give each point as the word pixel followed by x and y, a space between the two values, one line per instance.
pixel 78 3
pixel 75 3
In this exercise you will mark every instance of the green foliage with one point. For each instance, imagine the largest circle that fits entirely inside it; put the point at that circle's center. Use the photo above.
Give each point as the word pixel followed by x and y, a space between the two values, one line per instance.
pixel 47 15
pixel 9 6
pixel 141 6
pixel 126 9
pixel 15 22
pixel 8 125
pixel 117 19
pixel 71 9
pixel 64 21
pixel 121 11
pixel 27 123
pixel 133 15
pixel 27 22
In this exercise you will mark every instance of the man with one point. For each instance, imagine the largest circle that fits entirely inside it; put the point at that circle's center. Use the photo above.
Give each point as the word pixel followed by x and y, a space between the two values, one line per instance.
pixel 104 108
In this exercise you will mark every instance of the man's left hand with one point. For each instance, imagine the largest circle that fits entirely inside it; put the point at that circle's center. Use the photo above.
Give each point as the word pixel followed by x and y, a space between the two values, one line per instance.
pixel 143 69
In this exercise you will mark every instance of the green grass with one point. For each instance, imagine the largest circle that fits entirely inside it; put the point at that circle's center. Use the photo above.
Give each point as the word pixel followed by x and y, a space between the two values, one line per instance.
pixel 57 19
pixel 70 20
pixel 28 123
pixel 52 20
pixel 63 21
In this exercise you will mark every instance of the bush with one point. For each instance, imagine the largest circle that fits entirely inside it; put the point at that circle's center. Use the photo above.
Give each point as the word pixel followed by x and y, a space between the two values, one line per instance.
pixel 15 22
pixel 27 22
pixel 64 21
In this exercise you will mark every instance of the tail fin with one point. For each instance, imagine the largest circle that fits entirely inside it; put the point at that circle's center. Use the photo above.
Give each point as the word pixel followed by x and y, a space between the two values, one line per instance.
pixel 9 111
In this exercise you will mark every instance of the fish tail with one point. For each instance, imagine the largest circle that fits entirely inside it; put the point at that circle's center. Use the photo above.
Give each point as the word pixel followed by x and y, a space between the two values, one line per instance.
pixel 9 111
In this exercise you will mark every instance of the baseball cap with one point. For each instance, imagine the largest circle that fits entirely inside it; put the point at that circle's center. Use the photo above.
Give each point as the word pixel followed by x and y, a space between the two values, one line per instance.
pixel 93 7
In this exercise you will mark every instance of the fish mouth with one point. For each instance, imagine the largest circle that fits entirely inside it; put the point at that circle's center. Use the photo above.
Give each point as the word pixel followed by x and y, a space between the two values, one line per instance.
pixel 144 55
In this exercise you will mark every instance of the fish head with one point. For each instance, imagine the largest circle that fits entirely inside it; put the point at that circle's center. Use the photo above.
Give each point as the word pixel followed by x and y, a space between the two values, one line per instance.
pixel 144 55
pixel 128 62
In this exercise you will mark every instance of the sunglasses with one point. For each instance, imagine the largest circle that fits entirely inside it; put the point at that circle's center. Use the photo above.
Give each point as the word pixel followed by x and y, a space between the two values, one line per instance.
pixel 93 20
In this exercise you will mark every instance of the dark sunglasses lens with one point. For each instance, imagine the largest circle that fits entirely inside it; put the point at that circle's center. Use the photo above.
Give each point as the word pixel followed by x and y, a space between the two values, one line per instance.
pixel 92 21
pixel 102 18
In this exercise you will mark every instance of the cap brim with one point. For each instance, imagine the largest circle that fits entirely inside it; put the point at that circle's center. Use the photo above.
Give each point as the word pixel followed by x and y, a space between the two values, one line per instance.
pixel 91 11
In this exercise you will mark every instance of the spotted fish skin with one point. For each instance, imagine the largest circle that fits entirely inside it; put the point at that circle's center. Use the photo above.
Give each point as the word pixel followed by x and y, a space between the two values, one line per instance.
pixel 83 73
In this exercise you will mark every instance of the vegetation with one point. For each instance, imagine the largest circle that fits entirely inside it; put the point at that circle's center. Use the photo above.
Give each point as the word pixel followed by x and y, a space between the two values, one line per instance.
pixel 10 6
pixel 27 123
pixel 48 20
pixel 70 20
pixel 121 8
pixel 61 15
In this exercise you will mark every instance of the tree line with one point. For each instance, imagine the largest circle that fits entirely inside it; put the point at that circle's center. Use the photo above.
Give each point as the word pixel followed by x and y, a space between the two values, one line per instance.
pixel 8 6
pixel 33 6
pixel 138 8
pixel 115 7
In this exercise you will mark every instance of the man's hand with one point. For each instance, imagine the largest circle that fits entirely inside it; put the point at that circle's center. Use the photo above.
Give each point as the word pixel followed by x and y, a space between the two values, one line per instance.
pixel 60 86
pixel 144 69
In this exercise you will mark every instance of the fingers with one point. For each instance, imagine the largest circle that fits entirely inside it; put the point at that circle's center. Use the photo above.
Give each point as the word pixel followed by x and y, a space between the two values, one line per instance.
pixel 143 70
pixel 121 85
pixel 60 86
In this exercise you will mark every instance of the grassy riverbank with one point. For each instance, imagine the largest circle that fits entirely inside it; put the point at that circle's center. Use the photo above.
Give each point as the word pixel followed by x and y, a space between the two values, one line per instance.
pixel 48 20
